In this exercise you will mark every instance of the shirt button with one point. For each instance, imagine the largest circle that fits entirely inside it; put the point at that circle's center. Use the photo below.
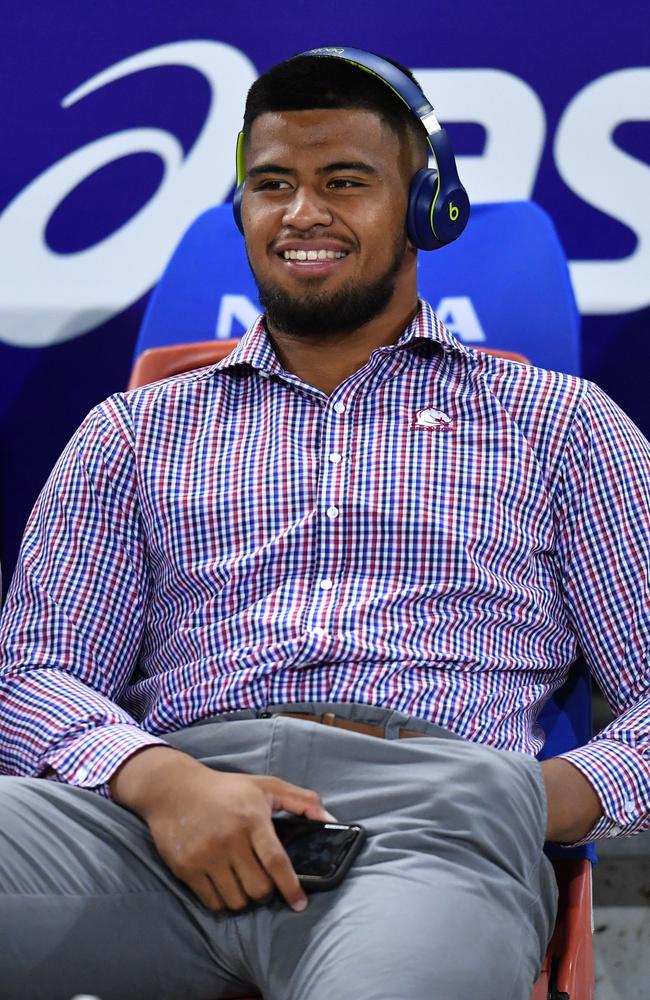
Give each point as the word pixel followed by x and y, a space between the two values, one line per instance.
pixel 326 585
pixel 82 774
pixel 339 407
pixel 335 458
pixel 332 512
pixel 628 806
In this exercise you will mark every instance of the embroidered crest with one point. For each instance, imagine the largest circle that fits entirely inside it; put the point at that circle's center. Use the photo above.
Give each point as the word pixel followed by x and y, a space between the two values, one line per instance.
pixel 433 420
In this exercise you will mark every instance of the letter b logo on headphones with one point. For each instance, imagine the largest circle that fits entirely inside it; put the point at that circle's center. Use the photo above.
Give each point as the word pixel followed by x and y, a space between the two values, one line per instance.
pixel 438 207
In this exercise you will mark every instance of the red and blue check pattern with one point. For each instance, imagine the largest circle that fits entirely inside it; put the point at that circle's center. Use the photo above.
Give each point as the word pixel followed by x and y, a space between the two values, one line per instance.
pixel 438 536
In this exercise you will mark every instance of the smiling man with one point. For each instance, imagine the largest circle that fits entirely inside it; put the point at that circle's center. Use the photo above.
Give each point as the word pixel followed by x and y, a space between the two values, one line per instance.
pixel 336 574
pixel 324 214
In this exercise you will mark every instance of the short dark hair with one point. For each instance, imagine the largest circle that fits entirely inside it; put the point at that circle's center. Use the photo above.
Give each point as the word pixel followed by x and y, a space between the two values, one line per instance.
pixel 305 83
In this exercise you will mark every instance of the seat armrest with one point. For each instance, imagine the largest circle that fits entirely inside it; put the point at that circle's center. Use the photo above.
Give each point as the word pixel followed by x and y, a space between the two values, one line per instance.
pixel 175 359
pixel 571 947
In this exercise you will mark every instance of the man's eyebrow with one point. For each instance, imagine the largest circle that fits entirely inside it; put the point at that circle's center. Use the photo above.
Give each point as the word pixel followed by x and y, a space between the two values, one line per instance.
pixel 357 166
pixel 267 168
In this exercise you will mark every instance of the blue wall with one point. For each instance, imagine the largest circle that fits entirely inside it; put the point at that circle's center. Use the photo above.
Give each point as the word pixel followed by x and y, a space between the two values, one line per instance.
pixel 97 182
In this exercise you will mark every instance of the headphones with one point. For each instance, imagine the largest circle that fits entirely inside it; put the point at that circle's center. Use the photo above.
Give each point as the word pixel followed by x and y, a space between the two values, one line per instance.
pixel 438 205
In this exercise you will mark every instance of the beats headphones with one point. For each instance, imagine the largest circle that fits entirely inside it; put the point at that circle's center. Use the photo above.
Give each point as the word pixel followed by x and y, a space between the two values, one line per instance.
pixel 438 206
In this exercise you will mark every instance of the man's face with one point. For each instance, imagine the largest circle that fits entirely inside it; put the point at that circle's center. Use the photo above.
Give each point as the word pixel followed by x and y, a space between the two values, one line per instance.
pixel 324 212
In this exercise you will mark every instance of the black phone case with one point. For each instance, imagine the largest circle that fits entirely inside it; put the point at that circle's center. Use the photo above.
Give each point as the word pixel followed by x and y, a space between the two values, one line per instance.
pixel 318 883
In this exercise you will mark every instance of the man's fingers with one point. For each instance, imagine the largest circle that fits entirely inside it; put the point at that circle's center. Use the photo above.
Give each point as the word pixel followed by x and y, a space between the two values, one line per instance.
pixel 275 861
pixel 254 880
pixel 207 892
pixel 297 800
pixel 228 887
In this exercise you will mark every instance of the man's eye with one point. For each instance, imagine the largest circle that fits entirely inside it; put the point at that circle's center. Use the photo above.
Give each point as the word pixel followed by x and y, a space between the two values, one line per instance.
pixel 271 185
pixel 345 182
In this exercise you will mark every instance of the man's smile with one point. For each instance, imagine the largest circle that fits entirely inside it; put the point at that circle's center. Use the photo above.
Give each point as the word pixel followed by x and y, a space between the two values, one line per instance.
pixel 317 257
pixel 313 255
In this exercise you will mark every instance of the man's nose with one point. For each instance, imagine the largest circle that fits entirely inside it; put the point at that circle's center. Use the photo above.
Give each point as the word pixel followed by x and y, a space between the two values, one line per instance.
pixel 307 208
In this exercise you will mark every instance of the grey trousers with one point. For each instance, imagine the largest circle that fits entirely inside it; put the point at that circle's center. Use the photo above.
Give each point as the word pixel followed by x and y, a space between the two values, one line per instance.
pixel 451 897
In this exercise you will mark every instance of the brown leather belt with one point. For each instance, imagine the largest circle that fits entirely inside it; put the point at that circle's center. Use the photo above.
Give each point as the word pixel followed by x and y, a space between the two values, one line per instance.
pixel 329 719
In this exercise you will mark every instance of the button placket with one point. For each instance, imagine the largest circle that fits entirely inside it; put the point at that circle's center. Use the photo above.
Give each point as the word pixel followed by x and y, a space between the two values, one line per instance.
pixel 330 486
pixel 332 512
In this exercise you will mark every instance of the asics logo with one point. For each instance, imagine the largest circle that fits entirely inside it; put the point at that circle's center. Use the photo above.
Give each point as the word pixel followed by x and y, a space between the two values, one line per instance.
pixel 48 297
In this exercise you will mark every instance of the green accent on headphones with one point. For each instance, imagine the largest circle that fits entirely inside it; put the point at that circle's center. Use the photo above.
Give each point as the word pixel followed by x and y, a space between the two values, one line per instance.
pixel 240 159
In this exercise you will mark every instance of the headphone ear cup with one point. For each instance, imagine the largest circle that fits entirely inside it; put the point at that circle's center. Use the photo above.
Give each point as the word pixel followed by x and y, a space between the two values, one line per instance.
pixel 236 207
pixel 422 193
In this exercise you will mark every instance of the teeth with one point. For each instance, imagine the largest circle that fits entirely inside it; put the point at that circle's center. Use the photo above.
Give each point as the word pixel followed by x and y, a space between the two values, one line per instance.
pixel 314 254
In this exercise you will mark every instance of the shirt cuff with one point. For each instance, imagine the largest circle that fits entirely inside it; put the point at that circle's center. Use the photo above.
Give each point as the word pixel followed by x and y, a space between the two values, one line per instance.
pixel 91 760
pixel 621 778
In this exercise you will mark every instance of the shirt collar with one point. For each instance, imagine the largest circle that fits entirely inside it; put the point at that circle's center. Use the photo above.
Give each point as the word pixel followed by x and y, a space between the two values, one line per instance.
pixel 426 326
pixel 255 348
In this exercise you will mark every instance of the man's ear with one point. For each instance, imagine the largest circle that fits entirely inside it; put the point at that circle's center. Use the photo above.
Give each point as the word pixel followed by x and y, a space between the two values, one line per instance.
pixel 411 247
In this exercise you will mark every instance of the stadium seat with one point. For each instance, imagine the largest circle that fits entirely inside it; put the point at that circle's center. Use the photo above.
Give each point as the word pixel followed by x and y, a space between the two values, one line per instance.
pixel 503 287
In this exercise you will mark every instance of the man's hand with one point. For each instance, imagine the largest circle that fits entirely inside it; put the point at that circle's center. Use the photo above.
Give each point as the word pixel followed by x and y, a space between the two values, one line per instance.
pixel 213 829
pixel 573 805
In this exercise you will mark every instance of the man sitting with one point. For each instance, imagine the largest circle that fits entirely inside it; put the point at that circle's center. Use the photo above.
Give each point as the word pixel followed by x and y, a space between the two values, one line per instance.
pixel 354 519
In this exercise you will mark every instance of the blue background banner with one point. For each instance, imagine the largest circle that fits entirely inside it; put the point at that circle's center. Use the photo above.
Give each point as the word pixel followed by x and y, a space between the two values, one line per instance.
pixel 119 129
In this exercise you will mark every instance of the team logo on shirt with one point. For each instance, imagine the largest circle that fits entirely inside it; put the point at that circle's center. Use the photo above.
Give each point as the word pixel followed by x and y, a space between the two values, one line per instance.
pixel 433 420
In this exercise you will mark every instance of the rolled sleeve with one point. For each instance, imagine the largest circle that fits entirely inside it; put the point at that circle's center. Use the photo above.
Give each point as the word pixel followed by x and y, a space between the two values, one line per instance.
pixel 91 760
pixel 72 625
pixel 605 555
pixel 621 778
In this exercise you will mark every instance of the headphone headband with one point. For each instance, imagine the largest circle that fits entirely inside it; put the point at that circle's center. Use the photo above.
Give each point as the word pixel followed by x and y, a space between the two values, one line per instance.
pixel 402 86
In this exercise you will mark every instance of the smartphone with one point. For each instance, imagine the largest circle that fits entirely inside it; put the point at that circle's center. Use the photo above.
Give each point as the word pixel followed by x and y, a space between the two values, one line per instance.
pixel 321 853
